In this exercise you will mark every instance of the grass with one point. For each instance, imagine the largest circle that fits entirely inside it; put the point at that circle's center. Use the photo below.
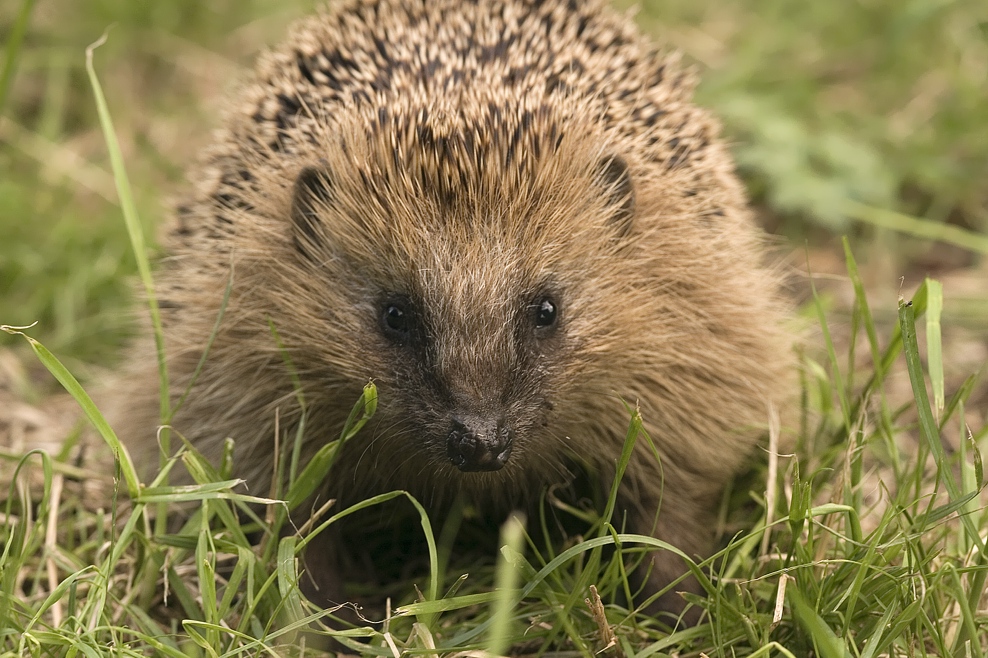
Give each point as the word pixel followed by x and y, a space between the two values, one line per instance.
pixel 864 118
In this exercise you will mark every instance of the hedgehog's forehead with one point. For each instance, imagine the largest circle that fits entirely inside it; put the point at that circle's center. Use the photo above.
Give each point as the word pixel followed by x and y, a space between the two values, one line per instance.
pixel 464 262
pixel 456 190
pixel 458 151
pixel 456 277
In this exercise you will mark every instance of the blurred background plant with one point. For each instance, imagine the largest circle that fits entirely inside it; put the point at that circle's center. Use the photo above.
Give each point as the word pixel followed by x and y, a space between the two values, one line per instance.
pixel 881 102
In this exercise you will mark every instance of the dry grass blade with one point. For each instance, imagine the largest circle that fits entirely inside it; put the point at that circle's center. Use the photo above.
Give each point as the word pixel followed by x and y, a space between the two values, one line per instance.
pixel 608 642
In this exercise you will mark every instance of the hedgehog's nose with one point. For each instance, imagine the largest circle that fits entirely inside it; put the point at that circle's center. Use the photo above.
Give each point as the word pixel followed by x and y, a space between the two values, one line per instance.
pixel 476 444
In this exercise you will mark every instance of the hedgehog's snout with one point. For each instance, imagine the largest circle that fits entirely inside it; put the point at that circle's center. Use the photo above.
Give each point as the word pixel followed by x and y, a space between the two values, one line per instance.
pixel 479 444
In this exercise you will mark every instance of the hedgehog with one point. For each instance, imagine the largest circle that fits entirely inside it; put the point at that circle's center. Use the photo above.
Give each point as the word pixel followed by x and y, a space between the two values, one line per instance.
pixel 512 218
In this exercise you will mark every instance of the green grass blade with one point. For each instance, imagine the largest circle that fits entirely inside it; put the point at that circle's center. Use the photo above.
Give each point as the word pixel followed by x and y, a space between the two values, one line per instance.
pixel 867 319
pixel 828 644
pixel 288 579
pixel 205 556
pixel 74 388
pixel 920 228
pixel 245 562
pixel 873 641
pixel 315 472
pixel 630 438
pixel 958 398
pixel 969 642
pixel 934 347
pixel 845 404
pixel 134 229
pixel 929 427
pixel 448 604
pixel 11 55
pixel 201 492
pixel 506 578
pixel 569 554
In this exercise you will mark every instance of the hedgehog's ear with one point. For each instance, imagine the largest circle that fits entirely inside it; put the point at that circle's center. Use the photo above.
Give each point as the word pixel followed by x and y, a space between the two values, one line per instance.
pixel 614 177
pixel 311 194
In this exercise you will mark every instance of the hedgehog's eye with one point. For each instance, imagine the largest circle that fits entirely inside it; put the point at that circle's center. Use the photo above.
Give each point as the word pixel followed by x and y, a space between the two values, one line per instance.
pixel 545 313
pixel 396 321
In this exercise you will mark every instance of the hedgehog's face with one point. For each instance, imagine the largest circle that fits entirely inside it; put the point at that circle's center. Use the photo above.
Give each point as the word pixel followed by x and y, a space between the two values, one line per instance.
pixel 472 370
pixel 468 306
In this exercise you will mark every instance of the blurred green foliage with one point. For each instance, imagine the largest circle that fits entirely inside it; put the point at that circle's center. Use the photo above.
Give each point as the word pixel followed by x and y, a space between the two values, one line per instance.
pixel 880 101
